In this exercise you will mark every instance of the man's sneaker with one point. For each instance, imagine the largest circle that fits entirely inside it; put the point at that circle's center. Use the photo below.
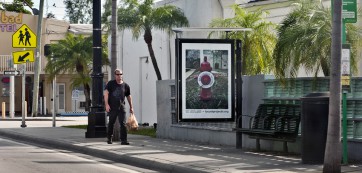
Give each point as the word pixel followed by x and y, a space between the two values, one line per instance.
pixel 124 143
pixel 109 141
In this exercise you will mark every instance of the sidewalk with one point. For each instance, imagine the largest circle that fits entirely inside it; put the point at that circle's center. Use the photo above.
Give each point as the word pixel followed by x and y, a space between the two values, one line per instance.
pixel 158 154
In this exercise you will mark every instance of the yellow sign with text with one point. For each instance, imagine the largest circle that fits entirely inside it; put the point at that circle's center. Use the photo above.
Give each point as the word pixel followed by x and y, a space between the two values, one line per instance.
pixel 23 56
pixel 345 80
pixel 24 37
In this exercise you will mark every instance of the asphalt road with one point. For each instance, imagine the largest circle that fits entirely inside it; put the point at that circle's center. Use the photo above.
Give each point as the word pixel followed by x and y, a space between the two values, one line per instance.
pixel 19 157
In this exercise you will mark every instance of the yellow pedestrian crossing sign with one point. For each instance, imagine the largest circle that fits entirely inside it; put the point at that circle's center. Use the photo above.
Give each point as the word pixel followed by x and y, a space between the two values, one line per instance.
pixel 21 57
pixel 24 37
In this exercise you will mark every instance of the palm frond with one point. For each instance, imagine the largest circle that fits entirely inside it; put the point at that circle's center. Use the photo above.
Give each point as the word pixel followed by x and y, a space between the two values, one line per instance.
pixel 305 41
pixel 258 44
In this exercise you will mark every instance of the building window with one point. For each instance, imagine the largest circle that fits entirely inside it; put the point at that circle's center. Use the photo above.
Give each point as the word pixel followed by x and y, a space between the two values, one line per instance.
pixel 82 104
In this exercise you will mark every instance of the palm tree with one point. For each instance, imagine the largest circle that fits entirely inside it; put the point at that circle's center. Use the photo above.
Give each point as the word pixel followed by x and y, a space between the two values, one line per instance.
pixel 333 153
pixel 258 44
pixel 304 40
pixel 17 6
pixel 114 37
pixel 73 55
pixel 116 130
pixel 141 17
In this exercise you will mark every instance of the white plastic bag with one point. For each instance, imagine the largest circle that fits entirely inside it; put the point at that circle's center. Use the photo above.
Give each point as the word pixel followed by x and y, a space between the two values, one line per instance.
pixel 132 124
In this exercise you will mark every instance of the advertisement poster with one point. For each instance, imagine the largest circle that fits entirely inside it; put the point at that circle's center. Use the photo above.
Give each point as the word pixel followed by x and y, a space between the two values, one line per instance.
pixel 206 74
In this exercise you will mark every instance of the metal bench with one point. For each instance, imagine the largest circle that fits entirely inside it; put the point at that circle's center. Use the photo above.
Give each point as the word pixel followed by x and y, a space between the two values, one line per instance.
pixel 277 122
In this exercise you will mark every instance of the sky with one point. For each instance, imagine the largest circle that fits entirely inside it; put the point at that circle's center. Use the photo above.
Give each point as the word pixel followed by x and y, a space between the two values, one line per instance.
pixel 56 7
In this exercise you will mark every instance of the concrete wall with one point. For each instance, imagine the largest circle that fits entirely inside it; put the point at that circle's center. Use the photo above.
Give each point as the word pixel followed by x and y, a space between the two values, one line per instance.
pixel 164 115
pixel 165 128
pixel 253 93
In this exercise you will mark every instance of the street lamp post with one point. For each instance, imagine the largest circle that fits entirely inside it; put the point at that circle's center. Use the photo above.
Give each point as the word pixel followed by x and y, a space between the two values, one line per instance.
pixel 97 117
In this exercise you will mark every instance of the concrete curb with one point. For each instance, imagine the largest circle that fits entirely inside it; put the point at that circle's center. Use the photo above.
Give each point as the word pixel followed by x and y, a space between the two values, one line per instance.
pixel 134 161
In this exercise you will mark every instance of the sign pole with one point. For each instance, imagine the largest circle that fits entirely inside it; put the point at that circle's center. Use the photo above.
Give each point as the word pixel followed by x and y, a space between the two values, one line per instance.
pixel 54 94
pixel 12 94
pixel 349 15
pixel 23 96
pixel 345 89
pixel 22 38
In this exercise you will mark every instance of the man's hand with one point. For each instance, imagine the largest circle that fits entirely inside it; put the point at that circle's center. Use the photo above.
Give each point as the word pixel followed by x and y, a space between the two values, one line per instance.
pixel 108 108
pixel 131 110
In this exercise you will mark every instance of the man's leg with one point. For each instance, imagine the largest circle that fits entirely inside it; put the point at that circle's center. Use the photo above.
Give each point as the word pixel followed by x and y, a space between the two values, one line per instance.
pixel 112 120
pixel 122 123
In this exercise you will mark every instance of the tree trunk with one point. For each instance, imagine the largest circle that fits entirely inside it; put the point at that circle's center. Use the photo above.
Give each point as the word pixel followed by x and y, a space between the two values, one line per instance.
pixel 148 40
pixel 325 69
pixel 332 157
pixel 116 129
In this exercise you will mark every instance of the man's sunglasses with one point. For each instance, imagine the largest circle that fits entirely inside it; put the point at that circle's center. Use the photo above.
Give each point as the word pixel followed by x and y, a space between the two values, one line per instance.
pixel 119 74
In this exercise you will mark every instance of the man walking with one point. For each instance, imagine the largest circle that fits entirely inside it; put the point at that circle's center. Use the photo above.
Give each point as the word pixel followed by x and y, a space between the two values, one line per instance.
pixel 114 98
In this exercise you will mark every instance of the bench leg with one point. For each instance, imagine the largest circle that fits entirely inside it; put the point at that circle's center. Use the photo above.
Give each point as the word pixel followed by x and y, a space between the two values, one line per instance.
pixel 257 144
pixel 285 147
pixel 239 140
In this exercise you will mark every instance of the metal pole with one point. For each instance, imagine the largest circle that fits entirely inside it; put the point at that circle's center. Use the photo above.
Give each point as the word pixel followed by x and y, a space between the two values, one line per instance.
pixel 344 126
pixel 3 109
pixel 97 110
pixel 23 97
pixel 37 64
pixel 344 109
pixel 54 93
pixel 12 93
pixel 239 137
pixel 97 75
pixel 177 79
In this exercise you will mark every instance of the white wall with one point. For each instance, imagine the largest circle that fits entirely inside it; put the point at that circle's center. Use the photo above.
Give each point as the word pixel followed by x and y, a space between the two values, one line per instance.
pixel 141 75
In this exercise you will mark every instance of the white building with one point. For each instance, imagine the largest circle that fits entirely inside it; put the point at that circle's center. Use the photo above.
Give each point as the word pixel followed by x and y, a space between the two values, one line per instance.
pixel 133 56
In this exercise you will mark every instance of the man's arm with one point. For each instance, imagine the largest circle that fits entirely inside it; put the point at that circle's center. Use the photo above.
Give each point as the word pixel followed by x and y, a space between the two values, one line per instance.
pixel 129 99
pixel 105 95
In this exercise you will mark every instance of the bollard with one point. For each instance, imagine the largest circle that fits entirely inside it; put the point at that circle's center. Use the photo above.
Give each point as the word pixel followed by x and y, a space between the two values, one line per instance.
pixel 44 106
pixel 40 109
pixel 3 109
pixel 26 109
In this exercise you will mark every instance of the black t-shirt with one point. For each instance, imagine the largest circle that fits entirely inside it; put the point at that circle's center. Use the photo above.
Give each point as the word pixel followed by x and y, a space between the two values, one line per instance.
pixel 117 93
